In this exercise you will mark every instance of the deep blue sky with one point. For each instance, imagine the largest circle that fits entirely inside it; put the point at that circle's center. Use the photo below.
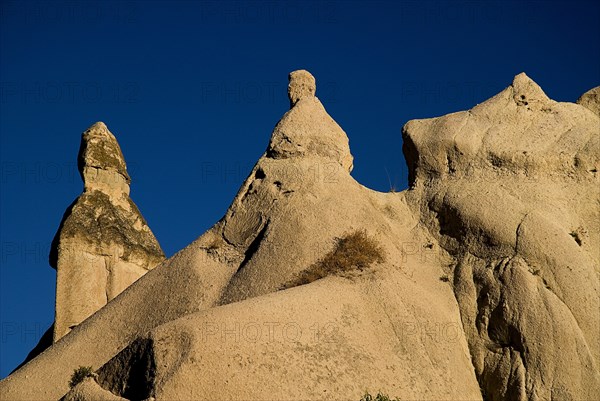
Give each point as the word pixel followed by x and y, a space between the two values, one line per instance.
pixel 192 90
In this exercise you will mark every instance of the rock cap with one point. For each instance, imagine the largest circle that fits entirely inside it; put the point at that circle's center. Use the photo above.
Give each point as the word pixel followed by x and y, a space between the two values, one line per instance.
pixel 527 92
pixel 302 85
pixel 101 162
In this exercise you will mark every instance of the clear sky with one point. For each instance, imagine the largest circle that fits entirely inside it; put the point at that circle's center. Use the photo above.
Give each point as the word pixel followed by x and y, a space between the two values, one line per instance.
pixel 193 89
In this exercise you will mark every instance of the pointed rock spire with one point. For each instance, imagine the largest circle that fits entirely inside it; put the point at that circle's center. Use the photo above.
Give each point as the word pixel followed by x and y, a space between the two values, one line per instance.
pixel 103 243
pixel 307 130
pixel 526 92
pixel 101 162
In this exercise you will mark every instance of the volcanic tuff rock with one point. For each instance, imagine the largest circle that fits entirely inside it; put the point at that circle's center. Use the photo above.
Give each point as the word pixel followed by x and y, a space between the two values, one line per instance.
pixel 488 285
pixel 89 390
pixel 510 190
pixel 591 100
pixel 103 243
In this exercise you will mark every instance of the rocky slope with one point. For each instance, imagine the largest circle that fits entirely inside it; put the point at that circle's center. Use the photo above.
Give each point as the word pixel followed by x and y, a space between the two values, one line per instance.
pixel 487 287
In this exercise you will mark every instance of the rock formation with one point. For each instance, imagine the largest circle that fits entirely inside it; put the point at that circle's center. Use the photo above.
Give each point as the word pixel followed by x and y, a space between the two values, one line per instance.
pixel 103 243
pixel 487 287
pixel 510 190
pixel 591 100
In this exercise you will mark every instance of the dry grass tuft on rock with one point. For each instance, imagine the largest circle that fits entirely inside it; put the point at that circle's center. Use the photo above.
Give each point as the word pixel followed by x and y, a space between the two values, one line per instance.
pixel 353 252
pixel 378 397
pixel 81 373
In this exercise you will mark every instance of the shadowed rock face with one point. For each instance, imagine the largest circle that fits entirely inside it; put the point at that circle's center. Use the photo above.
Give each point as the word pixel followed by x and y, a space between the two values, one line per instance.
pixel 103 243
pixel 488 288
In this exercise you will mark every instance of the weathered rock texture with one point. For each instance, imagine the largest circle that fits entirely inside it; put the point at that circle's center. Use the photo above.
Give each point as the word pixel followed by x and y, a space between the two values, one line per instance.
pixel 591 100
pixel 510 190
pixel 488 287
pixel 103 243
pixel 89 390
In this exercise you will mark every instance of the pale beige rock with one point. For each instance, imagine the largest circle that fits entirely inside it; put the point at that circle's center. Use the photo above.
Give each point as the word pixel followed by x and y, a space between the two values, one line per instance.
pixel 103 243
pixel 89 390
pixel 306 343
pixel 510 189
pixel 591 100
pixel 307 129
pixel 302 85
pixel 490 276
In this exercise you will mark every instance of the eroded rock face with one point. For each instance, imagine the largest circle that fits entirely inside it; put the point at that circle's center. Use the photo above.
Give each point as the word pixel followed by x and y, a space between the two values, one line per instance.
pixel 89 390
pixel 321 340
pixel 103 243
pixel 510 189
pixel 591 100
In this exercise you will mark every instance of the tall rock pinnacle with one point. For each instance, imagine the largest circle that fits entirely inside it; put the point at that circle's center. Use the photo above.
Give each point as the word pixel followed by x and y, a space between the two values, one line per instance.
pixel 103 243
pixel 306 129
pixel 101 163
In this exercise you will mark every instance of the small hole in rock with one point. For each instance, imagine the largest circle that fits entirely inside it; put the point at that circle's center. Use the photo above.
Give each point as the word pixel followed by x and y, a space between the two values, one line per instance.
pixel 576 237
pixel 260 174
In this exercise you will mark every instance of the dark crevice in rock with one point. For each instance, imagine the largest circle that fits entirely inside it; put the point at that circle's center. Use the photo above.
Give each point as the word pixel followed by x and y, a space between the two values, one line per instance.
pixel 260 174
pixel 450 163
pixel 450 223
pixel 576 237
pixel 228 242
pixel 518 233
pixel 502 333
pixel 280 188
pixel 131 374
pixel 411 155
pixel 253 247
